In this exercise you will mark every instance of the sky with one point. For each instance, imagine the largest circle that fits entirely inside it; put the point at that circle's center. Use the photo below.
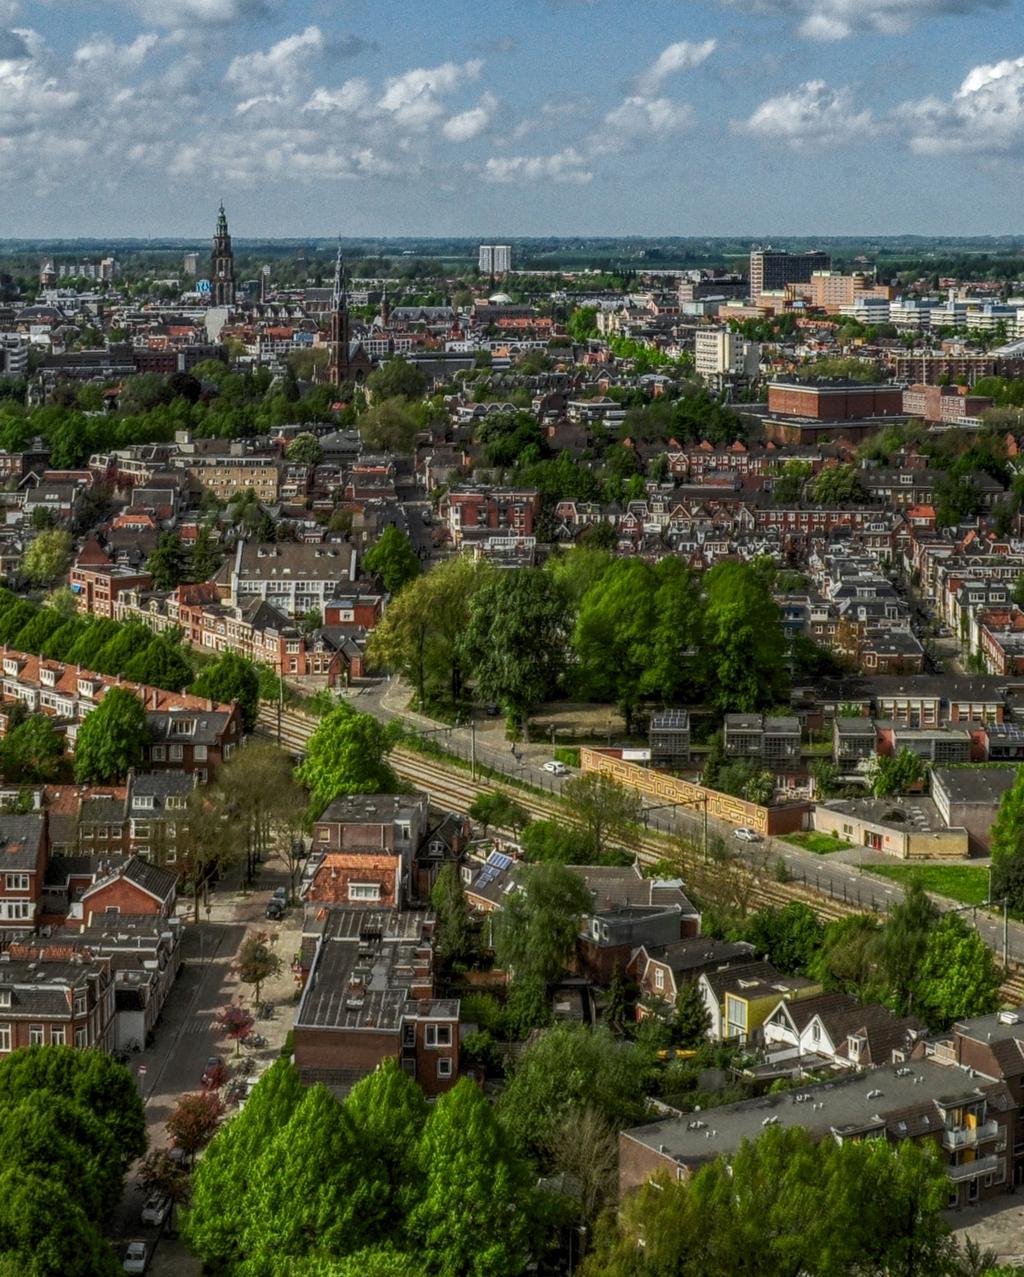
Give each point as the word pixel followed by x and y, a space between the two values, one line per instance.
pixel 533 117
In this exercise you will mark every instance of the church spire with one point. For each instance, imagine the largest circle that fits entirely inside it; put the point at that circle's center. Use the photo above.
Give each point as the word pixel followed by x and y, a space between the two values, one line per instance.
pixel 222 264
pixel 339 300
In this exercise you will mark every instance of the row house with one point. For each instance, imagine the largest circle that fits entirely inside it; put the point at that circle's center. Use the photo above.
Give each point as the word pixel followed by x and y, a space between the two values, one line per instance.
pixel 228 477
pixel 370 996
pixel 836 1029
pixel 98 588
pixel 293 577
pixel 998 637
pixel 144 952
pixel 970 1120
pixel 366 846
pixel 55 1000
pixel 512 512
pixel 187 733
pixel 23 857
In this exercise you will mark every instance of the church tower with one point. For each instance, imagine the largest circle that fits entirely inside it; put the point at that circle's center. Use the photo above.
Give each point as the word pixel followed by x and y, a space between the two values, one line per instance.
pixel 385 307
pixel 341 335
pixel 222 265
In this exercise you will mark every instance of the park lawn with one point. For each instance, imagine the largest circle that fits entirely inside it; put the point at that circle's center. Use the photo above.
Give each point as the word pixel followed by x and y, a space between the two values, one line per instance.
pixel 960 882
pixel 820 844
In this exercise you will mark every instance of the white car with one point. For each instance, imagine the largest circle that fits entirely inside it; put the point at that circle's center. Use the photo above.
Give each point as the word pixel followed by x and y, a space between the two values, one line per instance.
pixel 746 835
pixel 556 768
pixel 156 1208
pixel 135 1258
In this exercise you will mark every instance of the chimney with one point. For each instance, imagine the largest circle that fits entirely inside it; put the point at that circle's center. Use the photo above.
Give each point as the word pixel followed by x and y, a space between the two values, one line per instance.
pixel 154 700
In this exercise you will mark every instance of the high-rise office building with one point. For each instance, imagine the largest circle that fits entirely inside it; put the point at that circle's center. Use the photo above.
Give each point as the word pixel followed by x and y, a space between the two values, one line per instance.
pixel 190 264
pixel 495 259
pixel 770 270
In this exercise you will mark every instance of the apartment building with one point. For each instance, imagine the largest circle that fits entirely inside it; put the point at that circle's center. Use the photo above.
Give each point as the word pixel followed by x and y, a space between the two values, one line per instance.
pixel 293 577
pixel 723 357
pixel 55 1001
pixel 772 270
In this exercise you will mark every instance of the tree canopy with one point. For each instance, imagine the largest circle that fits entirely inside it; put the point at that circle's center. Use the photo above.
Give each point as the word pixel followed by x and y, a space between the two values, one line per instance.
pixel 110 739
pixel 347 754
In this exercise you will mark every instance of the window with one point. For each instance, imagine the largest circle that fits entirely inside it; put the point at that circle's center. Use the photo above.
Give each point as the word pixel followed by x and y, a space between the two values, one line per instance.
pixel 35 1035
pixel 159 753
pixel 16 910
pixel 659 978
pixel 364 891
pixel 323 834
pixel 80 1003
pixel 176 753
pixel 438 1035
pixel 199 753
pixel 5 1037
pixel 58 1035
pixel 444 1068
pixel 81 1037
pixel 17 882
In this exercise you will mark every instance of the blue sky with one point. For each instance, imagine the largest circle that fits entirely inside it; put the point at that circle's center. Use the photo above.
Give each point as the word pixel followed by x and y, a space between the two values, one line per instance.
pixel 563 117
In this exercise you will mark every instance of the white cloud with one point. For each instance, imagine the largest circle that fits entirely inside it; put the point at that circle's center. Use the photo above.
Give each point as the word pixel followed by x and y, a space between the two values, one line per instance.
pixel 413 97
pixel 283 64
pixel 839 19
pixel 30 99
pixel 985 114
pixel 681 56
pixel 639 119
pixel 182 14
pixel 811 115
pixel 106 55
pixel 565 166
pixel 470 124
pixel 353 95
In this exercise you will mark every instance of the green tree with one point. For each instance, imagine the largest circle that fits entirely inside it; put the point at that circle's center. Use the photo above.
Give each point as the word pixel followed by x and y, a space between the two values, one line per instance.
pixel 613 632
pixel 14 620
pixel 92 1080
pixel 213 1225
pixel 389 426
pixel 552 842
pixel 31 637
pixel 47 557
pixel 476 1217
pixel 33 1246
pixel 305 449
pixel 420 634
pixel 902 945
pixel 33 751
pixel 110 739
pixel 231 678
pixel 347 754
pixel 564 1071
pixel 692 1019
pixel 540 920
pixel 161 663
pixel 742 646
pixel 448 900
pixel 257 961
pixel 848 960
pixel 838 485
pixel 958 975
pixel 204 558
pixel 492 808
pixel 397 378
pixel 127 642
pixel 388 1111
pixel 1007 844
pixel 168 564
pixel 392 559
pixel 606 812
pixel 312 1184
pixel 893 774
pixel 515 641
pixel 790 938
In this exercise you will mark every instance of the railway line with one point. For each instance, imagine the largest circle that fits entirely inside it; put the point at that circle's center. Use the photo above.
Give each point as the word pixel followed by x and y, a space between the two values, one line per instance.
pixel 453 789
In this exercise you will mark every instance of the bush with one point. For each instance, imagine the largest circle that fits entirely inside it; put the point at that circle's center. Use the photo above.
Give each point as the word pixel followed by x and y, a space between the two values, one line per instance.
pixel 570 755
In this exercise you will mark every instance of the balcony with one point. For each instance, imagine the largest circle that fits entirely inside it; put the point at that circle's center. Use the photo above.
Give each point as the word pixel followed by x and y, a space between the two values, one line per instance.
pixel 964 1137
pixel 968 1170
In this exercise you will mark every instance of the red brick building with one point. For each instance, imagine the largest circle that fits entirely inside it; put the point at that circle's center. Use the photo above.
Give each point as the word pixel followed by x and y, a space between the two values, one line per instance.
pixel 368 843
pixel 369 996
pixel 826 401
pixel 55 1000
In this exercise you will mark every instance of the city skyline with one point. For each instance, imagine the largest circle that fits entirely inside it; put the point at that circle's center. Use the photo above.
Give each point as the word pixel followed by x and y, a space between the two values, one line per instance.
pixel 561 117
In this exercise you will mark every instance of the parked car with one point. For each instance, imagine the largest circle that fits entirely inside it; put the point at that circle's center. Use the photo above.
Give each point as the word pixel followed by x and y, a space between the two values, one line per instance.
pixel 156 1209
pixel 492 711
pixel 556 768
pixel 746 835
pixel 280 893
pixel 136 1257
pixel 214 1072
pixel 275 910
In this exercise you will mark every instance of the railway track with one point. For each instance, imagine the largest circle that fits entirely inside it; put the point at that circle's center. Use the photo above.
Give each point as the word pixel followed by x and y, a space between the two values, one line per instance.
pixel 451 788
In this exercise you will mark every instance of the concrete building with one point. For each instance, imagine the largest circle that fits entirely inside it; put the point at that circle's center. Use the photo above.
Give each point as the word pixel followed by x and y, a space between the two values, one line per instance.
pixel 907 828
pixel 772 270
pixel 968 797
pixel 722 357
pixel 495 259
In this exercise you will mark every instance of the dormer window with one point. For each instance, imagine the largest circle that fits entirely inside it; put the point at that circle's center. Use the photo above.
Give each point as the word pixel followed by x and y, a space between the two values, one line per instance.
pixel 10 666
pixel 48 677
pixel 5 997
pixel 145 801
pixel 86 687
pixel 183 726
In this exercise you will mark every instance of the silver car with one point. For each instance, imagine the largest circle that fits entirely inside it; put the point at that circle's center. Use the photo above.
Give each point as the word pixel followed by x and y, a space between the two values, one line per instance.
pixel 135 1258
